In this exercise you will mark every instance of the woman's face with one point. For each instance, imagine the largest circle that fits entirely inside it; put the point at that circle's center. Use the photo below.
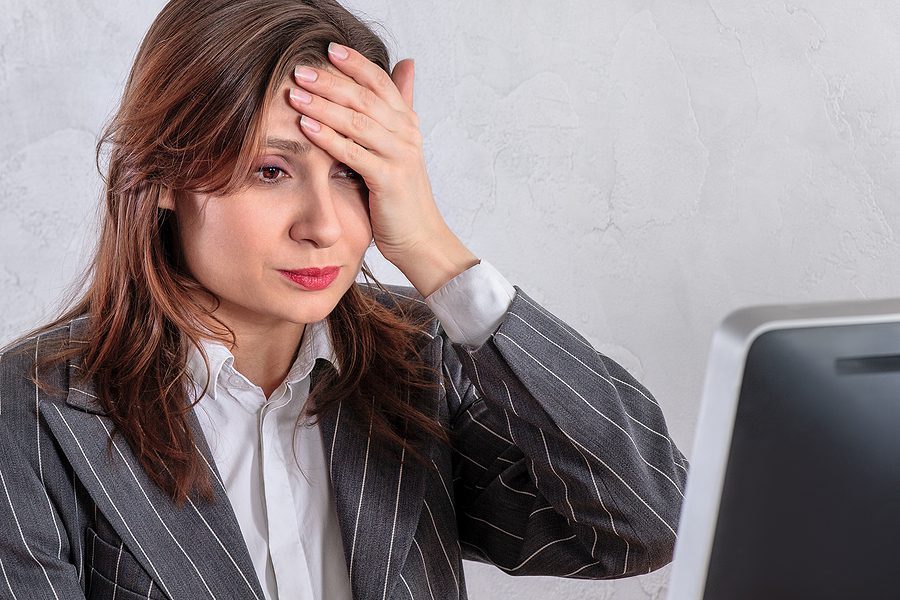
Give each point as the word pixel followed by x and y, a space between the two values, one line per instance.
pixel 302 210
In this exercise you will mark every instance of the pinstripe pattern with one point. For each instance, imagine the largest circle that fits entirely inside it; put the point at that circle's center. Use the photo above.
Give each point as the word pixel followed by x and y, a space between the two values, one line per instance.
pixel 561 464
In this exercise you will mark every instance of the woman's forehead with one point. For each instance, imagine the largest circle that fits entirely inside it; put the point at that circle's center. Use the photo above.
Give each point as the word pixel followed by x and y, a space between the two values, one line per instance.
pixel 282 118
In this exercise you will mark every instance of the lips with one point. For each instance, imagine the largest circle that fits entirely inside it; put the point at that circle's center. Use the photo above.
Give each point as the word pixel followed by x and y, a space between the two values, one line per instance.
pixel 313 271
pixel 313 278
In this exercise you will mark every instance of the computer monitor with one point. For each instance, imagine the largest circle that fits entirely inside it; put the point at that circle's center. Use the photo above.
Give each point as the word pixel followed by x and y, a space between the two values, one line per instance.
pixel 794 487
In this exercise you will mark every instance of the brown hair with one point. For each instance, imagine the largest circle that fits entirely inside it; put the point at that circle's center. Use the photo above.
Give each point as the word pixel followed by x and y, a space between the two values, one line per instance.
pixel 191 120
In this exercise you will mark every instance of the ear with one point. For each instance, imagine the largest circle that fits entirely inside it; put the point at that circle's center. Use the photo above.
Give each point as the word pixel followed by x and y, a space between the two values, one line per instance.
pixel 166 199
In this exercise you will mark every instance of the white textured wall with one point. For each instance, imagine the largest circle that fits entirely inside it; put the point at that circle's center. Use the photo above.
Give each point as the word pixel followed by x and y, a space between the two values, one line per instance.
pixel 642 168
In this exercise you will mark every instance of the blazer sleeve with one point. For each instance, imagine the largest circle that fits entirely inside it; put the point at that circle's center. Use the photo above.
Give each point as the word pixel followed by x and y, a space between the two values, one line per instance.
pixel 564 465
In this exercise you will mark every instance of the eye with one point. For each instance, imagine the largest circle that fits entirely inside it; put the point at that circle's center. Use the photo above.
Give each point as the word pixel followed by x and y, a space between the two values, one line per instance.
pixel 345 172
pixel 269 174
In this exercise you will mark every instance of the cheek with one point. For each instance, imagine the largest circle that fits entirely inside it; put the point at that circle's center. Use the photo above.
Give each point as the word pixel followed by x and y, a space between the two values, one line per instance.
pixel 357 227
pixel 214 239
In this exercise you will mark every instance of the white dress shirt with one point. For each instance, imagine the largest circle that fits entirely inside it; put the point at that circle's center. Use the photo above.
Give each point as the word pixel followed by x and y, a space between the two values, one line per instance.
pixel 287 512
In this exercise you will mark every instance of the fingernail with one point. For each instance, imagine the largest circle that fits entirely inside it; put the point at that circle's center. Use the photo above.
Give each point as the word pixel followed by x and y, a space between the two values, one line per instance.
pixel 338 51
pixel 305 74
pixel 300 96
pixel 310 124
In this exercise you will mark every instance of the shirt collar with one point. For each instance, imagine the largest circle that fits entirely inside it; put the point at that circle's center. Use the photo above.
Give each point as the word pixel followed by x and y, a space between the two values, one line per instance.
pixel 316 343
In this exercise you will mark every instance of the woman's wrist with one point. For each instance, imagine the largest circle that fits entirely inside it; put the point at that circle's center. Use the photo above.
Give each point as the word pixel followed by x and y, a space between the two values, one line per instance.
pixel 429 265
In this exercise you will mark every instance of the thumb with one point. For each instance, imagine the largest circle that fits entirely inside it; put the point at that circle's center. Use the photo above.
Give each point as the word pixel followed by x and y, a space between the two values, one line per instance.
pixel 402 76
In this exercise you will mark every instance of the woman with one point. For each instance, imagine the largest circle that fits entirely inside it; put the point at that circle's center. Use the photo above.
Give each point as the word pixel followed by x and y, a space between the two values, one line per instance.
pixel 226 413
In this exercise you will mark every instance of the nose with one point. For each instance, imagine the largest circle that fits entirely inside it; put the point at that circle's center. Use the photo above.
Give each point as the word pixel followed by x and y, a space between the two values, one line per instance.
pixel 317 220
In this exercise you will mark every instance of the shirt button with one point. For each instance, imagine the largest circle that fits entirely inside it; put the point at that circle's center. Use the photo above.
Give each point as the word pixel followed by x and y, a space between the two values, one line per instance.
pixel 235 381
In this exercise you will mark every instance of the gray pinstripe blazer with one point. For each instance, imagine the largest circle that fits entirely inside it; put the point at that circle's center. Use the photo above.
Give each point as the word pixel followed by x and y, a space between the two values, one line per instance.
pixel 561 465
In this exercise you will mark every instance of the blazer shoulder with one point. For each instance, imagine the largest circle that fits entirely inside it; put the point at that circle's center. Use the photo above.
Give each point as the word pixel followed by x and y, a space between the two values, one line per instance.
pixel 17 369
pixel 390 294
pixel 29 348
pixel 405 300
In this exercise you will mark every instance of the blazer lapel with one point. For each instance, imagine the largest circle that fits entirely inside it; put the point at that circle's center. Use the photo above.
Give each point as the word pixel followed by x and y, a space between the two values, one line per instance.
pixel 196 551
pixel 378 499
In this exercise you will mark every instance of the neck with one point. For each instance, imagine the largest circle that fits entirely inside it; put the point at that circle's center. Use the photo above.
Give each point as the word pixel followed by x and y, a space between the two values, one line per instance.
pixel 265 357
pixel 264 350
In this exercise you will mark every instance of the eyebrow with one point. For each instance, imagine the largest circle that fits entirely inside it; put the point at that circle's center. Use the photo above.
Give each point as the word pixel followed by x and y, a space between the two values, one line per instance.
pixel 289 146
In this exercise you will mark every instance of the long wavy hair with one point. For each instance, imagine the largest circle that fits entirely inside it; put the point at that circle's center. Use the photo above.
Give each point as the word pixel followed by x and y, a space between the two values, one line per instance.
pixel 191 120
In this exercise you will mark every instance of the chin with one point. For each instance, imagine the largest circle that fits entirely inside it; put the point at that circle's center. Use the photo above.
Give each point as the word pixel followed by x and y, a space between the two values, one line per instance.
pixel 314 310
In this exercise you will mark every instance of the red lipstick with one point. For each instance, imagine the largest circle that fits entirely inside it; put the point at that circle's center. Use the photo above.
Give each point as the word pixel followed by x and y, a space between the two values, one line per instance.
pixel 313 278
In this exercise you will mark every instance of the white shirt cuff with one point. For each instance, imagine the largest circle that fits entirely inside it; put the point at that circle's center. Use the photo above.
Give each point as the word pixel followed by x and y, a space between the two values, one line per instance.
pixel 472 305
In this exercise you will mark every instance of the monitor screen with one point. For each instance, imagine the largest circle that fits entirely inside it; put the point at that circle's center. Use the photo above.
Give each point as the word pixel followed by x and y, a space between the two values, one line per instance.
pixel 810 499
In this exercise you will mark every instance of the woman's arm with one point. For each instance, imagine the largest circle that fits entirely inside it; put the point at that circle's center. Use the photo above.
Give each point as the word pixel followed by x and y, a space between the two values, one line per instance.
pixel 565 466
pixel 601 481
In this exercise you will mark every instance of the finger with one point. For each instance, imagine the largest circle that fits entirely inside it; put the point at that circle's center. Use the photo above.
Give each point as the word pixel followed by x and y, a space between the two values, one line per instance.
pixel 348 93
pixel 350 123
pixel 341 148
pixel 403 76
pixel 366 73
